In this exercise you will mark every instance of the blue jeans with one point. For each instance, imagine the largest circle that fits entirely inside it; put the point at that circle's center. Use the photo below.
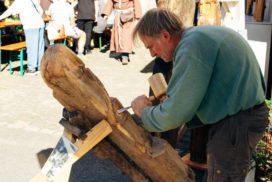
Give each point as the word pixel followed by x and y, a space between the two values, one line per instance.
pixel 34 47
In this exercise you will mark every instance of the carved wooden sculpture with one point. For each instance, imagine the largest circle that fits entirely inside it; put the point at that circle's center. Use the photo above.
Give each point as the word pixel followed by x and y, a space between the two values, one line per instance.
pixel 130 147
pixel 185 9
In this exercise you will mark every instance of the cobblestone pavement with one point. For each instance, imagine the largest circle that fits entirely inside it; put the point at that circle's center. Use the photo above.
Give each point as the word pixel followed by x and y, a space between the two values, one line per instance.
pixel 29 114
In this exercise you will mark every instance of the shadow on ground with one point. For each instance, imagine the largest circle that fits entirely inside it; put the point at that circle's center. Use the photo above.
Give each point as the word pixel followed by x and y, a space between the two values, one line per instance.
pixel 149 67
pixel 89 168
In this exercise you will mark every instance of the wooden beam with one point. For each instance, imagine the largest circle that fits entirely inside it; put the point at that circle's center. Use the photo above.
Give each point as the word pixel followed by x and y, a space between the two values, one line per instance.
pixel 94 136
pixel 193 164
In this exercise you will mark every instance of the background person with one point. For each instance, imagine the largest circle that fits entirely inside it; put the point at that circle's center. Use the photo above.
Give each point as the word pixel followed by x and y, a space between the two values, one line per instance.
pixel 62 13
pixel 86 15
pixel 30 13
pixel 126 11
pixel 216 81
pixel 45 4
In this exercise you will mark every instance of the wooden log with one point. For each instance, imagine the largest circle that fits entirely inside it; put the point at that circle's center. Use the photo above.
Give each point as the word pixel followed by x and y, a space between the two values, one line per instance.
pixel 78 89
pixel 185 9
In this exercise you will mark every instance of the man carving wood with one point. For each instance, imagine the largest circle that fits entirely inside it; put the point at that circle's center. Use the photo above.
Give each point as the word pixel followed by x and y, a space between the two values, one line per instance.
pixel 216 81
pixel 129 146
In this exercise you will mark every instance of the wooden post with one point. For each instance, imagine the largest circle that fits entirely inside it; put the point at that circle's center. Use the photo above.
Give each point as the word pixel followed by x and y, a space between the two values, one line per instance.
pixel 130 145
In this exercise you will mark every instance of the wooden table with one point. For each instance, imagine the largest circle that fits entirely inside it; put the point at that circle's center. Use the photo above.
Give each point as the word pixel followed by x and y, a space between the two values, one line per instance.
pixel 4 24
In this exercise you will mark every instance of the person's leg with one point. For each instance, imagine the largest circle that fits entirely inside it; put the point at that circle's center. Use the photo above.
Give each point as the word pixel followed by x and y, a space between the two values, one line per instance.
pixel 80 24
pixel 32 37
pixel 125 57
pixel 81 36
pixel 88 30
pixel 41 47
pixel 81 42
pixel 231 142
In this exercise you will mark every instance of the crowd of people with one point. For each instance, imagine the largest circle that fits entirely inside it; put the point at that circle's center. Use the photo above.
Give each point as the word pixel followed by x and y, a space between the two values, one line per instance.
pixel 77 19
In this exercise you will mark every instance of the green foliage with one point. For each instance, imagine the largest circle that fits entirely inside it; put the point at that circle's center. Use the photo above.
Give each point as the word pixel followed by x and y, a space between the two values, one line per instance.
pixel 263 153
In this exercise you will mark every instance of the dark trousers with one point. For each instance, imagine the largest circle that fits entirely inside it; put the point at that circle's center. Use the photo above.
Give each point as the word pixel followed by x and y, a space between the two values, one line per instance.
pixel 231 142
pixel 87 27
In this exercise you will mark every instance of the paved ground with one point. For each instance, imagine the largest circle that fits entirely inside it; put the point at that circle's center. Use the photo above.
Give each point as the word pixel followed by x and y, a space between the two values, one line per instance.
pixel 29 116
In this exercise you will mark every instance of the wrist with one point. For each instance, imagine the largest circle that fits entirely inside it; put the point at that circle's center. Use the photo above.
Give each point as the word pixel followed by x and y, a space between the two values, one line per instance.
pixel 139 113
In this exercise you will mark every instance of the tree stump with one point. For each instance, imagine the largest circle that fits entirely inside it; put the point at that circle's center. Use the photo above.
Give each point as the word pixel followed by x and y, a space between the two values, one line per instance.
pixel 130 147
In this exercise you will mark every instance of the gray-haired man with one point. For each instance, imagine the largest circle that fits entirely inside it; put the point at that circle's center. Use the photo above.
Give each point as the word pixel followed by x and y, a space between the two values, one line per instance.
pixel 216 81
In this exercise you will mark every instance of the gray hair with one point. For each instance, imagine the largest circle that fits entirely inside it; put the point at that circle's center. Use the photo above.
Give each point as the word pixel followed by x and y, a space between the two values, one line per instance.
pixel 155 20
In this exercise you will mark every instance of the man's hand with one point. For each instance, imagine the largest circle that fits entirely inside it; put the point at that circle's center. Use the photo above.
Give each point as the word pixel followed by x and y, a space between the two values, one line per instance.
pixel 139 103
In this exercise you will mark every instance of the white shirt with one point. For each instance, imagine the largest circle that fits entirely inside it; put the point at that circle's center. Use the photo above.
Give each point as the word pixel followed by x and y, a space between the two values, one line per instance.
pixel 61 12
pixel 30 16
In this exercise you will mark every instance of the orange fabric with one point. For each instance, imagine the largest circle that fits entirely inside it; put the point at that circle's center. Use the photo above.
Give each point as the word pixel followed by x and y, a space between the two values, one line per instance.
pixel 210 13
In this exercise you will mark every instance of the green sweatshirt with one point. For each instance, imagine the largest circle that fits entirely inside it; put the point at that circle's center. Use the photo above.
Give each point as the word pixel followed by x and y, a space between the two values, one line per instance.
pixel 215 74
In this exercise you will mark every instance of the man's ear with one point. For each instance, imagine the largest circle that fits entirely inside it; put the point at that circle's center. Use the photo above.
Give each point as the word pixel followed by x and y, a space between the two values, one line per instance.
pixel 165 35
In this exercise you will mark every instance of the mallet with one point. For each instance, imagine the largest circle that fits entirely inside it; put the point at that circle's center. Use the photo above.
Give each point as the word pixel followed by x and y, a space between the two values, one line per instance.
pixel 158 85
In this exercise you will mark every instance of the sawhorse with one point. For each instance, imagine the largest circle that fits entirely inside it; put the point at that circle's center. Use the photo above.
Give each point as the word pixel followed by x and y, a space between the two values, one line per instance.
pixel 94 136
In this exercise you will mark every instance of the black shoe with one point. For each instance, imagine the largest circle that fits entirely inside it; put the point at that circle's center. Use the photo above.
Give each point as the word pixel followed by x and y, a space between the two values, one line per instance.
pixel 31 72
pixel 87 52
pixel 115 55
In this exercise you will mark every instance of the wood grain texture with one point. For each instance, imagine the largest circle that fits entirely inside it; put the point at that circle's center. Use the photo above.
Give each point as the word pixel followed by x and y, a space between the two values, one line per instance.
pixel 78 89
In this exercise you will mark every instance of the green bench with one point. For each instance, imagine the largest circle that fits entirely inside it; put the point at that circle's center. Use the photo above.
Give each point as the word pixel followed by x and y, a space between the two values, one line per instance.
pixel 15 47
